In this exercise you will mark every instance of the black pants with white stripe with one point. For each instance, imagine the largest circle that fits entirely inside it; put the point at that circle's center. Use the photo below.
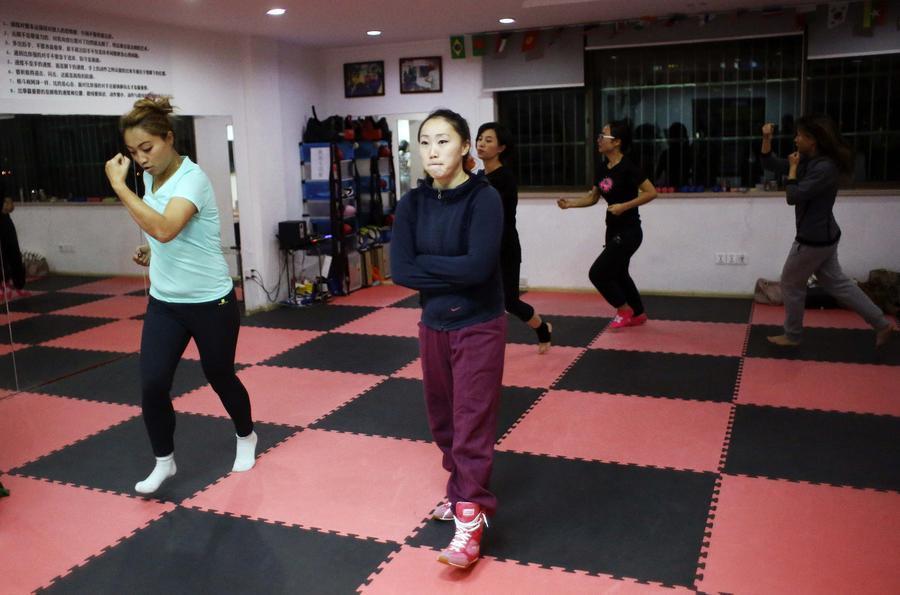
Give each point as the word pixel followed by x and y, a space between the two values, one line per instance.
pixel 168 327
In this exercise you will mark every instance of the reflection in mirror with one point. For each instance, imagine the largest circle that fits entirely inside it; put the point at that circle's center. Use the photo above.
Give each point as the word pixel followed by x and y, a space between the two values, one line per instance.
pixel 409 164
pixel 88 295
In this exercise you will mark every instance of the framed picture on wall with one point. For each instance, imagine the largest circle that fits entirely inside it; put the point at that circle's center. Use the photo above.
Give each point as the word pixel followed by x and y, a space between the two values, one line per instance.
pixel 364 79
pixel 421 75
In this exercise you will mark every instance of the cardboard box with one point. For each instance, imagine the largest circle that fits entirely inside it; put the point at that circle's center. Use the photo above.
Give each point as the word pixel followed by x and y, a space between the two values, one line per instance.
pixel 368 262
pixel 384 260
pixel 354 270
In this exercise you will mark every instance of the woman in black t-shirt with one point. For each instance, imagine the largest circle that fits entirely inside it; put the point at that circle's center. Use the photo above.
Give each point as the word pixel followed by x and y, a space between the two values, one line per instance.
pixel 495 148
pixel 625 188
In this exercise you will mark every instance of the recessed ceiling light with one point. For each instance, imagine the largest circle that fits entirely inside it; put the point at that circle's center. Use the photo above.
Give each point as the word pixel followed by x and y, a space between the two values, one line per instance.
pixel 276 12
pixel 507 21
pixel 373 33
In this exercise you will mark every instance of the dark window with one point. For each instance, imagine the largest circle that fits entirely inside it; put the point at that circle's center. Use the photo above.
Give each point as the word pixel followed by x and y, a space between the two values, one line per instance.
pixel 64 156
pixel 697 109
pixel 551 141
pixel 858 93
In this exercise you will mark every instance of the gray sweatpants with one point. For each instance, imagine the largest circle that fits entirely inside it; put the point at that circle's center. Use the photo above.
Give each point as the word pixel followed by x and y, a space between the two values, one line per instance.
pixel 803 261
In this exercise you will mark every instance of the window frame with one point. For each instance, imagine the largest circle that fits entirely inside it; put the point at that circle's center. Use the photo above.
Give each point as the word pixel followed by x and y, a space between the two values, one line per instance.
pixel 580 143
pixel 802 80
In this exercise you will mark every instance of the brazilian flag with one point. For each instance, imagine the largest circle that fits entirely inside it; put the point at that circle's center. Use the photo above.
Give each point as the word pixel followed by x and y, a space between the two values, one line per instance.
pixel 457 47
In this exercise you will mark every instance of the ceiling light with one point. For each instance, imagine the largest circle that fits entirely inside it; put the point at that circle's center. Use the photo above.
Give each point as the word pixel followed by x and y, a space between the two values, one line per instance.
pixel 276 12
pixel 373 33
pixel 507 21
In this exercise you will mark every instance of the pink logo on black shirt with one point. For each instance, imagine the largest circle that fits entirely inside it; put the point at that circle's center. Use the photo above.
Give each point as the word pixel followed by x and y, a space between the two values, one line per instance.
pixel 605 185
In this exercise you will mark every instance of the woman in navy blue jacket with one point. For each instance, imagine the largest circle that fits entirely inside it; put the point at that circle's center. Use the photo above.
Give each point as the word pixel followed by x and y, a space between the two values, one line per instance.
pixel 446 245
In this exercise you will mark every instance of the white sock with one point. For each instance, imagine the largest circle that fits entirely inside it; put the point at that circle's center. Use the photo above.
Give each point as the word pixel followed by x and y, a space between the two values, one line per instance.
pixel 164 469
pixel 245 456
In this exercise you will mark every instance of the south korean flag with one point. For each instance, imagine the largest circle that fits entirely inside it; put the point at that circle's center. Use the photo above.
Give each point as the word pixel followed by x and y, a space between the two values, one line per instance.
pixel 837 14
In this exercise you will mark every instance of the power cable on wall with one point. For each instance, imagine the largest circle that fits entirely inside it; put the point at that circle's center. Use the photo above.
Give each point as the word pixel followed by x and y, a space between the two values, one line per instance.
pixel 256 277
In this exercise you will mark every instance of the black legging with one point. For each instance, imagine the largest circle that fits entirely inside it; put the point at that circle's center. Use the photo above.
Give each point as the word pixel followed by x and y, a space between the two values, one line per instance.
pixel 510 265
pixel 167 329
pixel 609 273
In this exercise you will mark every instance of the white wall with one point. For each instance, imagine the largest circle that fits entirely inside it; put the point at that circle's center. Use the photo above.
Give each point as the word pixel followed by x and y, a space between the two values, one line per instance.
pixel 301 86
pixel 462 83
pixel 302 83
pixel 682 235
pixel 102 237
pixel 210 133
pixel 265 86
pixel 263 195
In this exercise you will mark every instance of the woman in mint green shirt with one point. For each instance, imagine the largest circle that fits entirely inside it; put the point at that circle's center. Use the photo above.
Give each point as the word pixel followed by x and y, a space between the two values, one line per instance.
pixel 191 293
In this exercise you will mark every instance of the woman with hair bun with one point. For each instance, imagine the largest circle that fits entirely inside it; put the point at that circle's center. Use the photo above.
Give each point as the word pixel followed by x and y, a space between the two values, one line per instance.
pixel 624 187
pixel 191 292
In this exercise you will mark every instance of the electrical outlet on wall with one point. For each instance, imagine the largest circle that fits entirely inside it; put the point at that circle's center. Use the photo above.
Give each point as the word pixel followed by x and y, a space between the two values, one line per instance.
pixel 735 258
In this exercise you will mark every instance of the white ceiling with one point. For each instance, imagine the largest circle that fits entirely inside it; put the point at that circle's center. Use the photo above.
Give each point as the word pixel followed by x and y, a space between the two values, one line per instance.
pixel 340 23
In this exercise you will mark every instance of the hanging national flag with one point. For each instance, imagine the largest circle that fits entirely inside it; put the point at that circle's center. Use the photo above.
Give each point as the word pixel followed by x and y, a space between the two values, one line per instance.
pixel 502 40
pixel 874 13
pixel 530 40
pixel 479 45
pixel 837 14
pixel 555 36
pixel 457 47
pixel 803 15
pixel 672 19
pixel 879 12
pixel 867 14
